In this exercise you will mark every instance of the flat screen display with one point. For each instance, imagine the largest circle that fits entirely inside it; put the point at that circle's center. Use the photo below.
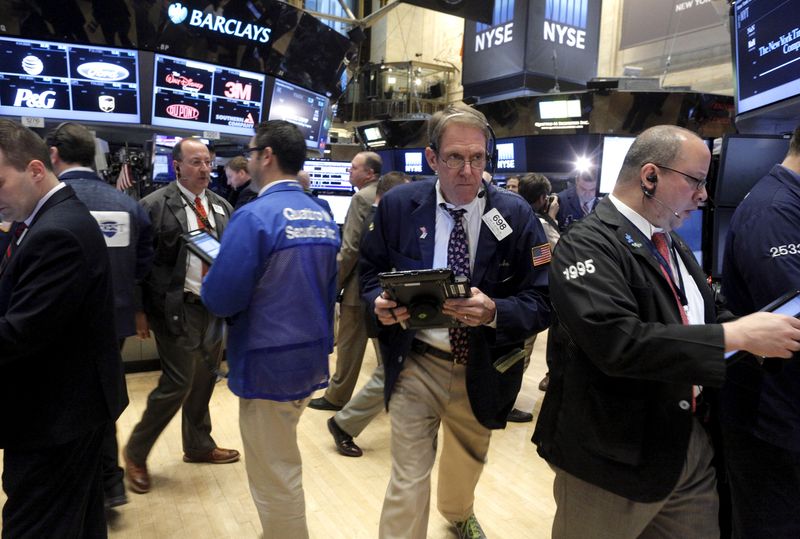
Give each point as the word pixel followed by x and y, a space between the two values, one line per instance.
pixel 329 177
pixel 614 151
pixel 511 155
pixel 767 52
pixel 692 233
pixel 163 169
pixel 199 96
pixel 412 162
pixel 305 109
pixel 339 206
pixel 75 82
pixel 743 161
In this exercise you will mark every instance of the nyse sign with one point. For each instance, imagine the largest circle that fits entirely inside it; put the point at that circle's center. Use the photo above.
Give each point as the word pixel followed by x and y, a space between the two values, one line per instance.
pixel 494 37
pixel 564 35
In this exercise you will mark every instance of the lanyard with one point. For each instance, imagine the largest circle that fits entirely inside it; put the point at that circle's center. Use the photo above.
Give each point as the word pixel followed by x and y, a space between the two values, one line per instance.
pixel 677 285
pixel 200 218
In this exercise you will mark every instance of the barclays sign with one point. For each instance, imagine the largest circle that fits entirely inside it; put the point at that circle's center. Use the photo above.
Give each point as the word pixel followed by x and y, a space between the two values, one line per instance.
pixel 178 14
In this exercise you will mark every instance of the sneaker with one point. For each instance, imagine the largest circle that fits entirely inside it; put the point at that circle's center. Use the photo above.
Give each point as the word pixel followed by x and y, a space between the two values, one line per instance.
pixel 469 529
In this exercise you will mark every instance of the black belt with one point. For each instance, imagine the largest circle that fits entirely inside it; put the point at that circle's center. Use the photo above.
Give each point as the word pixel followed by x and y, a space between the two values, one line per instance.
pixel 191 297
pixel 422 348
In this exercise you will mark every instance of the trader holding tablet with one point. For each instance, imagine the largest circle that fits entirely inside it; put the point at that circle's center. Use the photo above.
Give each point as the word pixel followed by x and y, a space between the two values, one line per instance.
pixel 447 376
pixel 623 423
pixel 761 426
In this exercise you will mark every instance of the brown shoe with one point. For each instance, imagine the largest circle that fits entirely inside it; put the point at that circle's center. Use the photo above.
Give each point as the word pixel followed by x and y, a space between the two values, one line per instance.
pixel 217 455
pixel 138 478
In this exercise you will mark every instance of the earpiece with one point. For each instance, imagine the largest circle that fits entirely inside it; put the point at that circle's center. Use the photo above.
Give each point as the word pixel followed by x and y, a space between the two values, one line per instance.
pixel 650 193
pixel 653 177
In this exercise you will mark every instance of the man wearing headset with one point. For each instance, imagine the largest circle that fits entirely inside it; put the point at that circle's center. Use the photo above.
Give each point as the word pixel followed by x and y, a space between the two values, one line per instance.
pixel 623 422
pixel 453 377
pixel 188 336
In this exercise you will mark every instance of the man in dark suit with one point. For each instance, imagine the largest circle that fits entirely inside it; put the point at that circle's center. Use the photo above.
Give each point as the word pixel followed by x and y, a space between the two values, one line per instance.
pixel 62 381
pixel 623 423
pixel 239 181
pixel 129 238
pixel 448 377
pixel 578 201
pixel 188 337
pixel 351 341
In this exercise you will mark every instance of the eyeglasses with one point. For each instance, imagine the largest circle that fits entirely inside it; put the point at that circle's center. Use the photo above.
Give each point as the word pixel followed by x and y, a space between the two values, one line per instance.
pixel 197 163
pixel 700 184
pixel 456 162
pixel 248 153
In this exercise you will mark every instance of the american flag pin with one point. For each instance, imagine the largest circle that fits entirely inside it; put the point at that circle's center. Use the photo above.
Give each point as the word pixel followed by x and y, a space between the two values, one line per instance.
pixel 423 232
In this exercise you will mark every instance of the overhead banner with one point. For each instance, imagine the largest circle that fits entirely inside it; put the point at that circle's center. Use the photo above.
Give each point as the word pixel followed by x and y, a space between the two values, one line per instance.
pixel 563 38
pixel 496 50
pixel 646 21
pixel 530 44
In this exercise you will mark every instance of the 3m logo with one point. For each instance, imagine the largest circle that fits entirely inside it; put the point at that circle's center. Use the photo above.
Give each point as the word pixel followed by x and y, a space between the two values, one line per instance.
pixel 237 90
pixel 565 22
pixel 501 30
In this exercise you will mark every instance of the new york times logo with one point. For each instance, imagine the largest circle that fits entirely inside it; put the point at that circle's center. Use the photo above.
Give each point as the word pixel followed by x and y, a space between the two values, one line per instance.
pixel 565 22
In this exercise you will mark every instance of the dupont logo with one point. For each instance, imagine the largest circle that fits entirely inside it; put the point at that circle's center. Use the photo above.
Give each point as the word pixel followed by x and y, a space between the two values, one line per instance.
pixel 565 22
pixel 183 112
pixel 501 31
pixel 505 155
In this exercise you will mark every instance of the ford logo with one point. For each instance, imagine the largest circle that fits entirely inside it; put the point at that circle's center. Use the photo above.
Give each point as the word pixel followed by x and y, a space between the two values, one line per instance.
pixel 103 72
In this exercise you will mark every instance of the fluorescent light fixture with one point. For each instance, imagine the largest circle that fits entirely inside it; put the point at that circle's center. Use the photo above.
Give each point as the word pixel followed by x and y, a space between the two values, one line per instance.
pixel 561 108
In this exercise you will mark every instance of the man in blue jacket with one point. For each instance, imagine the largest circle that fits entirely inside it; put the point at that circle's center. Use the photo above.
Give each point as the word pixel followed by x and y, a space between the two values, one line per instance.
pixel 761 427
pixel 129 238
pixel 458 378
pixel 275 282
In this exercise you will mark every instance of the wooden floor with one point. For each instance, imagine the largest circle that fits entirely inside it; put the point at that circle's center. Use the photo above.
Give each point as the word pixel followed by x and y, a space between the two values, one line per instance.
pixel 343 495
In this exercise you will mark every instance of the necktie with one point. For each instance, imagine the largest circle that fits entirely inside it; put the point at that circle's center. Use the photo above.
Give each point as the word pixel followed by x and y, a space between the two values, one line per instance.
pixel 585 208
pixel 16 234
pixel 458 262
pixel 201 212
pixel 202 219
pixel 660 241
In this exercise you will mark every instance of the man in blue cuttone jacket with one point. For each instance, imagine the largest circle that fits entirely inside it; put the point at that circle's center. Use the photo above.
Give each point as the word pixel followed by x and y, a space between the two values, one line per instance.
pixel 455 378
pixel 275 282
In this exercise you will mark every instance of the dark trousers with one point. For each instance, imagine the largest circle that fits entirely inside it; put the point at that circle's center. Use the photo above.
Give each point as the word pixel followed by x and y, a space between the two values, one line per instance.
pixel 765 487
pixel 188 374
pixel 112 472
pixel 55 491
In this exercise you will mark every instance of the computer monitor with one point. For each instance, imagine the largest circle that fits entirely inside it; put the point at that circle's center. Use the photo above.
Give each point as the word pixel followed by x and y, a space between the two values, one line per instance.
pixel 206 97
pixel 304 108
pixel 71 82
pixel 745 159
pixel 614 151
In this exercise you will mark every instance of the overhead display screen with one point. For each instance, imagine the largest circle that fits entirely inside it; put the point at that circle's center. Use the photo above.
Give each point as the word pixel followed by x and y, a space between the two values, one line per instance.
pixel 198 96
pixel 304 108
pixel 767 41
pixel 76 82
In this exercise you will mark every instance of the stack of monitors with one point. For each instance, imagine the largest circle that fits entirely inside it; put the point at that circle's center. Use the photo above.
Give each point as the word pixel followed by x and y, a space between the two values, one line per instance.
pixel 304 108
pixel 76 82
pixel 331 181
pixel 197 96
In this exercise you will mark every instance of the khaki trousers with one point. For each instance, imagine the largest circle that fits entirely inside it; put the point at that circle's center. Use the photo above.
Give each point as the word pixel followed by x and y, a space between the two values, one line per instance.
pixel 430 392
pixel 691 510
pixel 274 466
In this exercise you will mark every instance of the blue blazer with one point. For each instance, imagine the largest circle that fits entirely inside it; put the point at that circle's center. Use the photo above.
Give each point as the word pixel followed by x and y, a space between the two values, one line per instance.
pixel 130 264
pixel 503 270
pixel 569 208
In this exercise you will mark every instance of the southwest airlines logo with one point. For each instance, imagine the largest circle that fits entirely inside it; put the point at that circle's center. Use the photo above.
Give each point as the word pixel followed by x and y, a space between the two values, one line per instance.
pixel 565 22
pixel 501 30
pixel 178 13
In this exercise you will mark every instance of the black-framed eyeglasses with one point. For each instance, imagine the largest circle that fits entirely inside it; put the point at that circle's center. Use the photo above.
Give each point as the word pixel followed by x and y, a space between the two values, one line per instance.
pixel 248 153
pixel 457 162
pixel 699 184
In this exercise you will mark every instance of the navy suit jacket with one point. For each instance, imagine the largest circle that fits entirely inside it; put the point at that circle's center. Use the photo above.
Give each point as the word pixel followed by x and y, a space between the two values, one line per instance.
pixel 129 264
pixel 403 239
pixel 60 368
pixel 569 208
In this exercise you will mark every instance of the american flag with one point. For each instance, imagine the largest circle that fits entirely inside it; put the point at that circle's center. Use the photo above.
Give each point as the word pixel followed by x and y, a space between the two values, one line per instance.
pixel 541 254
pixel 125 178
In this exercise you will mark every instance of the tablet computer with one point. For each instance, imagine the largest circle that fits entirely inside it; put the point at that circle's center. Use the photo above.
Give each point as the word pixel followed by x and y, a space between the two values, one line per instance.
pixel 788 304
pixel 423 292
pixel 202 244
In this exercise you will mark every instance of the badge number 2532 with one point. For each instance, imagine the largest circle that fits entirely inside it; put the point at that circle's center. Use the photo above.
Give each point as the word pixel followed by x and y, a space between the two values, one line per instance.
pixel 579 269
